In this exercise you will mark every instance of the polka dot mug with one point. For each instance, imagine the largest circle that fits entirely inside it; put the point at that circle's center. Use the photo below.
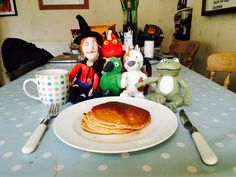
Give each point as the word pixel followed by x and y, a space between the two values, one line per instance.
pixel 52 86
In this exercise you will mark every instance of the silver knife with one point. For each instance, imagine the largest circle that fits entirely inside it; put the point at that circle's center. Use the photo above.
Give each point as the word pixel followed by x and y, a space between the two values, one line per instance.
pixel 205 151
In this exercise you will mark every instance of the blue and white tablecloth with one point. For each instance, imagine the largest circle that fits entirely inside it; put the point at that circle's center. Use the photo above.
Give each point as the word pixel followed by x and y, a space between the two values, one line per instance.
pixel 212 111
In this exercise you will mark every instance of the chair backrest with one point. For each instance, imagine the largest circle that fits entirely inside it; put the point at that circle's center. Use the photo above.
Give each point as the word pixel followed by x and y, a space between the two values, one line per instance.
pixel 185 51
pixel 222 62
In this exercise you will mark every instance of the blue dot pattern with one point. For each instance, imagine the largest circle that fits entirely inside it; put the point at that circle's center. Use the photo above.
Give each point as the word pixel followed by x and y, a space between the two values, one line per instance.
pixel 212 111
pixel 50 91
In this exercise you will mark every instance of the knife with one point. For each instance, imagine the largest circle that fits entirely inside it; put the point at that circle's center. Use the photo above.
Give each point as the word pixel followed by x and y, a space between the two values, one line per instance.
pixel 205 151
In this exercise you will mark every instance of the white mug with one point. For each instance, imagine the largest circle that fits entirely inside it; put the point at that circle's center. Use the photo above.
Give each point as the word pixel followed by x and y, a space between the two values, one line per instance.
pixel 52 86
pixel 148 49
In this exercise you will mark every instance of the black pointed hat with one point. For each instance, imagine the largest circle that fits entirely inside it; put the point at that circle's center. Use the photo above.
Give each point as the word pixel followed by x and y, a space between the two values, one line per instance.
pixel 86 32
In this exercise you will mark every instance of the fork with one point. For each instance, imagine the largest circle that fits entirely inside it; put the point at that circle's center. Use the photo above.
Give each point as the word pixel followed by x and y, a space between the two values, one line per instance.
pixel 34 139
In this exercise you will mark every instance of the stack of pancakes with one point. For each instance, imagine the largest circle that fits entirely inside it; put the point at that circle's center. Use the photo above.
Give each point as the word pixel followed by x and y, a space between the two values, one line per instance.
pixel 115 118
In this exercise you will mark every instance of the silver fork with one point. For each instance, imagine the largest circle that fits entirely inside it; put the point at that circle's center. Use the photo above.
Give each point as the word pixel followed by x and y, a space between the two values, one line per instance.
pixel 34 139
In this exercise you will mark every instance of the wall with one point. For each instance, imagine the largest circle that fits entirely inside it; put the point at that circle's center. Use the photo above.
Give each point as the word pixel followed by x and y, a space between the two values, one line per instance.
pixel 216 34
pixel 33 24
pixel 54 25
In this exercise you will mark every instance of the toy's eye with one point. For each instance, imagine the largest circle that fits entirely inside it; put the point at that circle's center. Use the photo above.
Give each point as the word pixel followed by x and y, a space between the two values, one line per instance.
pixel 114 41
pixel 105 42
pixel 116 64
pixel 86 43
pixel 163 60
pixel 93 42
pixel 175 59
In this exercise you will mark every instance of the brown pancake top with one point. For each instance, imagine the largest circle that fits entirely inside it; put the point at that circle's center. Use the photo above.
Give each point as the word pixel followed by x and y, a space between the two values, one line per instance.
pixel 117 113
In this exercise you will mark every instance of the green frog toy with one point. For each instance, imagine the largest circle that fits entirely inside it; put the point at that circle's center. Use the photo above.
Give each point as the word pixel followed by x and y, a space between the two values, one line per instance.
pixel 171 90
pixel 111 77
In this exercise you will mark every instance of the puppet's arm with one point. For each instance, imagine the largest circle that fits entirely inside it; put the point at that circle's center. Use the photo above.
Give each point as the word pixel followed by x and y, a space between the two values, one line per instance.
pixel 95 86
pixel 124 81
pixel 147 81
pixel 186 91
pixel 74 72
pixel 96 81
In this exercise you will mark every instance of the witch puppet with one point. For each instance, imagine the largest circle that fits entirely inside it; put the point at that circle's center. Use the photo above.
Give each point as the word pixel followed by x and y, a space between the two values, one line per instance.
pixel 85 75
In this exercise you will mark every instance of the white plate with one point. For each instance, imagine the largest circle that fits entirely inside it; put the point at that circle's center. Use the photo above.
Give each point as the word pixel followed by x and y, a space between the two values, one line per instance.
pixel 67 128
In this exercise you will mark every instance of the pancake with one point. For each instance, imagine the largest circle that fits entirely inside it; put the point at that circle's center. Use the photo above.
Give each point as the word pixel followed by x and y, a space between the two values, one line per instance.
pixel 95 127
pixel 103 131
pixel 115 118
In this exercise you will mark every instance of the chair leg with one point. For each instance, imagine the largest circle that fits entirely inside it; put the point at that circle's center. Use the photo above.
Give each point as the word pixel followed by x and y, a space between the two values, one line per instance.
pixel 190 62
pixel 227 80
pixel 212 75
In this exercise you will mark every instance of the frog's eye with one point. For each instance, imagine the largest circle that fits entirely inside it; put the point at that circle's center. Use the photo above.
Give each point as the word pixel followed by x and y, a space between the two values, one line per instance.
pixel 117 64
pixel 163 60
pixel 105 42
pixel 175 59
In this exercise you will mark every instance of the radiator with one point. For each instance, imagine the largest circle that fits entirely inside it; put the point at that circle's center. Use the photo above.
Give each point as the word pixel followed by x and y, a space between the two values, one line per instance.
pixel 55 48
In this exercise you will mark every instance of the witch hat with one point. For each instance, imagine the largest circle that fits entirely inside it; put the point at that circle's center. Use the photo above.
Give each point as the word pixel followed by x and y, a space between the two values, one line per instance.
pixel 86 32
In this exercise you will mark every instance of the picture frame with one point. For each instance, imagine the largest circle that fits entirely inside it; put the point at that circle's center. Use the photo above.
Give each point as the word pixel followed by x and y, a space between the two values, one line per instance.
pixel 63 4
pixel 8 8
pixel 217 7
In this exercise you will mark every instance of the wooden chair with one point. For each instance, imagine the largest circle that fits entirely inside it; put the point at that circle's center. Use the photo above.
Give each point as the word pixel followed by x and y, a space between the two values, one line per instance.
pixel 185 51
pixel 222 62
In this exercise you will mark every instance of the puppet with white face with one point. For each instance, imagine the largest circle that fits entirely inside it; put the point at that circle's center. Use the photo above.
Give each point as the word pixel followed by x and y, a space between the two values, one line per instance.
pixel 85 75
pixel 133 62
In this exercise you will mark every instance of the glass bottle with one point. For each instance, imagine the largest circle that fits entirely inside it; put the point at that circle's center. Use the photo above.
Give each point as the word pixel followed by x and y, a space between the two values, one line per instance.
pixel 134 14
pixel 179 5
pixel 128 28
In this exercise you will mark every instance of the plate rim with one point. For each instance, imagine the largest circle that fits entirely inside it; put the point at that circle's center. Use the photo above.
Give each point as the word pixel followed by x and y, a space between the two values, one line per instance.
pixel 113 98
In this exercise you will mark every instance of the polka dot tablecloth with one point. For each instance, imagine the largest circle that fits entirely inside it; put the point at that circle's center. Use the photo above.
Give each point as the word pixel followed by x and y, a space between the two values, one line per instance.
pixel 212 111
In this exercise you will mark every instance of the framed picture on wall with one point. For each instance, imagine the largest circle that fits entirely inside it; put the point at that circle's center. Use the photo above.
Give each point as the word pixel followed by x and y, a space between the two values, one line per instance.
pixel 216 7
pixel 8 8
pixel 63 4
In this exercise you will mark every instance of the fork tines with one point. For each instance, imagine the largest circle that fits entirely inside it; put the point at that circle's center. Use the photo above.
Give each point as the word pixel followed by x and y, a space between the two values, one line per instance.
pixel 54 109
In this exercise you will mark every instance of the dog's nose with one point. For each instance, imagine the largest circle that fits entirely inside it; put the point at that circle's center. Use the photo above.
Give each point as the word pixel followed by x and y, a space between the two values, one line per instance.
pixel 131 63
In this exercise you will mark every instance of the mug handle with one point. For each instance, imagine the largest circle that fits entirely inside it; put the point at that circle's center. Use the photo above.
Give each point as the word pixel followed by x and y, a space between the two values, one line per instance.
pixel 24 88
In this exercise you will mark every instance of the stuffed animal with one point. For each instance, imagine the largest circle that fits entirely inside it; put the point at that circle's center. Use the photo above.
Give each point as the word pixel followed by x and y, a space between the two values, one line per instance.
pixel 133 62
pixel 171 90
pixel 111 46
pixel 85 76
pixel 111 76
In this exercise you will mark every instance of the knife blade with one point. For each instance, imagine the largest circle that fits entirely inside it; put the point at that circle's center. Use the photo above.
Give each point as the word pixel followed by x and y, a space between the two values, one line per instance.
pixel 205 151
